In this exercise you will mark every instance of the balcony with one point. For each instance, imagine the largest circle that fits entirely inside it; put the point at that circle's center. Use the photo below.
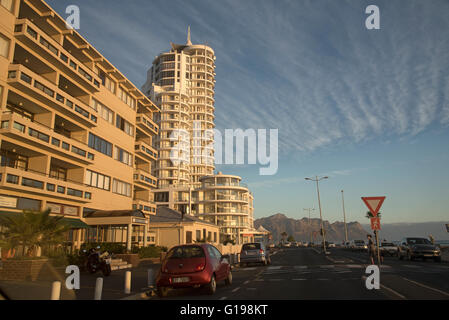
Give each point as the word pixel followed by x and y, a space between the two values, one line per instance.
pixel 144 179
pixel 145 206
pixel 27 81
pixel 42 137
pixel 143 149
pixel 146 124
pixel 41 183
pixel 29 34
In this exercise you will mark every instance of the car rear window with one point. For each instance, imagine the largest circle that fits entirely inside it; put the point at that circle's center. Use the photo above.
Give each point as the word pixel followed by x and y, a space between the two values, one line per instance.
pixel 186 252
pixel 251 246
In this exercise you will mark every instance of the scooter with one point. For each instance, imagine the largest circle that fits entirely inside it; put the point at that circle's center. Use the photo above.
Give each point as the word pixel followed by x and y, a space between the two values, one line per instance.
pixel 97 261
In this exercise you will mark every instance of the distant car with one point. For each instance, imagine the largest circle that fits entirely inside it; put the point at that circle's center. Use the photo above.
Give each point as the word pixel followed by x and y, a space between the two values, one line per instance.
pixel 287 244
pixel 254 253
pixel 199 265
pixel 331 245
pixel 271 245
pixel 358 245
pixel 412 248
pixel 388 249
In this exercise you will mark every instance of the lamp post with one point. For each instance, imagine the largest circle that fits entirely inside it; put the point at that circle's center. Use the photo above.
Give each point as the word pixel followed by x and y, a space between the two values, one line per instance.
pixel 310 225
pixel 344 216
pixel 319 204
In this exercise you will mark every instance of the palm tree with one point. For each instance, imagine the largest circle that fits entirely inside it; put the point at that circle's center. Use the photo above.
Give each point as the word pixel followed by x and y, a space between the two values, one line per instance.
pixel 33 229
pixel 284 235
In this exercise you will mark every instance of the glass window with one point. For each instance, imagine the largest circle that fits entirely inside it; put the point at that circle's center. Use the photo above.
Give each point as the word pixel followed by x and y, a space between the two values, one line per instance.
pixel 123 156
pixel 121 187
pixel 100 145
pixel 7 4
pixel 4 45
pixel 28 204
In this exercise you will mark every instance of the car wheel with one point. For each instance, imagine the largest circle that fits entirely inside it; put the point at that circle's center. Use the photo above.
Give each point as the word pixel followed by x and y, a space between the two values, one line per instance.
pixel 228 280
pixel 211 287
pixel 162 292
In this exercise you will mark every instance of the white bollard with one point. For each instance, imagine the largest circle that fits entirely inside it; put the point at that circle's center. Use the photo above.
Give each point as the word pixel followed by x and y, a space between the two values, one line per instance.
pixel 98 288
pixel 56 290
pixel 150 278
pixel 238 258
pixel 128 282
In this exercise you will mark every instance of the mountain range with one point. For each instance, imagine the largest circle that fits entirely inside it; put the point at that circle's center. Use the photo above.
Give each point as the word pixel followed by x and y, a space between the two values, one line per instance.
pixel 300 229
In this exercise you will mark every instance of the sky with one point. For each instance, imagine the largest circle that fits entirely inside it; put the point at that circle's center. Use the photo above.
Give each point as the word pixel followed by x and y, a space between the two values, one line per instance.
pixel 368 108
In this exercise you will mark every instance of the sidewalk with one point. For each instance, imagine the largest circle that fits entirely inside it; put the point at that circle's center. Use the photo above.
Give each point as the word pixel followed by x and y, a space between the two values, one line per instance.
pixel 113 285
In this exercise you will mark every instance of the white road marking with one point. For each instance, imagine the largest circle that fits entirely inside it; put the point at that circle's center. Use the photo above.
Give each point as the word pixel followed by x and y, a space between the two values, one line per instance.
pixel 427 287
pixel 236 289
pixel 353 266
pixel 223 298
pixel 300 267
pixel 299 279
pixel 388 289
pixel 275 279
pixel 274 268
pixel 246 282
pixel 248 269
pixel 327 266
pixel 412 266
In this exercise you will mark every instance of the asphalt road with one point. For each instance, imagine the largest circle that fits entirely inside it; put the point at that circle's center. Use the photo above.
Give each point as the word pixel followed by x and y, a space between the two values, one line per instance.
pixel 304 273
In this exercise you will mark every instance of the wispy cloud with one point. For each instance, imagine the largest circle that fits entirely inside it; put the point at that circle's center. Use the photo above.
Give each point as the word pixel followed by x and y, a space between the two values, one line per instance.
pixel 308 68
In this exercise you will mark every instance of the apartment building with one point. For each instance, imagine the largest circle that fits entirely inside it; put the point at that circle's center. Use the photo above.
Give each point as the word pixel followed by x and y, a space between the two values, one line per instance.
pixel 220 199
pixel 76 135
pixel 182 83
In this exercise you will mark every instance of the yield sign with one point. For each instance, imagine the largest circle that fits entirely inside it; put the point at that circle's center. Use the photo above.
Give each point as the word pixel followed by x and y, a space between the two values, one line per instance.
pixel 375 223
pixel 373 204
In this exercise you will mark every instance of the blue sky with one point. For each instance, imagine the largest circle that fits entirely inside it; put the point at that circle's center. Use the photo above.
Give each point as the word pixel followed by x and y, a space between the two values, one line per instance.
pixel 369 108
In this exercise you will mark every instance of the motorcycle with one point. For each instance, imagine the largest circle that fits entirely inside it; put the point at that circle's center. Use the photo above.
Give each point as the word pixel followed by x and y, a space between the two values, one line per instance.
pixel 97 261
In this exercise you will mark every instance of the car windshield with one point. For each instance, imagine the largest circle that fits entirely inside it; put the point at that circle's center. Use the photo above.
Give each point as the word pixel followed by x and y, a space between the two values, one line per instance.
pixel 251 246
pixel 418 241
pixel 186 252
pixel 387 244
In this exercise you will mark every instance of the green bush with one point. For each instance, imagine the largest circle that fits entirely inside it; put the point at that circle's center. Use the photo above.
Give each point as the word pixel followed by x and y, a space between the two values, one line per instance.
pixel 151 251
pixel 111 247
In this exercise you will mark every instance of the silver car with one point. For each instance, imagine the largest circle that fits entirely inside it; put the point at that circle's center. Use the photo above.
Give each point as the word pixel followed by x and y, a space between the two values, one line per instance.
pixel 254 253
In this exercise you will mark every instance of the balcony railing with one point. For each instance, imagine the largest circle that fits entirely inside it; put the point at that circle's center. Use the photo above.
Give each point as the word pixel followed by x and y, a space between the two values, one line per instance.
pixel 26 30
pixel 22 75
pixel 43 183
pixel 18 125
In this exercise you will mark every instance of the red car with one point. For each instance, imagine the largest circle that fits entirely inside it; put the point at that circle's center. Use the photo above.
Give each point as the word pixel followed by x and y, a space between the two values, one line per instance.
pixel 198 265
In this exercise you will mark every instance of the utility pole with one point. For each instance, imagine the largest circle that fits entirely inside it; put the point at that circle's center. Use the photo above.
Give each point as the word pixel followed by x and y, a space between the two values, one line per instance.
pixel 344 216
pixel 319 204
pixel 310 224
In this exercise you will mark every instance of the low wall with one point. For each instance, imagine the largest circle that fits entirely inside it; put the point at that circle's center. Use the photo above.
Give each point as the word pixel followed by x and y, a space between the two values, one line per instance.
pixel 23 270
pixel 131 258
pixel 229 248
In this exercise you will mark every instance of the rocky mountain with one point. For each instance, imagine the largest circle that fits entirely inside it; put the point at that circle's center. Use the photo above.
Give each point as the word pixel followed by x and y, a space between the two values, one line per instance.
pixel 301 229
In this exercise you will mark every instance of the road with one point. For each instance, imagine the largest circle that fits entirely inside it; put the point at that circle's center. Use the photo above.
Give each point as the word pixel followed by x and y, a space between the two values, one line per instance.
pixel 303 273
pixel 295 274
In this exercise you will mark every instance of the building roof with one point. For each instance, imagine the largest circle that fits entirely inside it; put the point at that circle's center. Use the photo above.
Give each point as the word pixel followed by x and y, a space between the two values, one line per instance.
pixel 115 213
pixel 164 214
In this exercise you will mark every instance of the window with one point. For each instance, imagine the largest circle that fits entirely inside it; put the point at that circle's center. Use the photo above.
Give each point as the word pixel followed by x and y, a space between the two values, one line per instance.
pixel 39 135
pixel 100 145
pixel 188 236
pixel 126 98
pixel 61 189
pixel 104 111
pixel 32 183
pixel 198 235
pixel 10 178
pixel 121 187
pixel 58 173
pixel 4 45
pixel 123 156
pixel 74 192
pixel 97 180
pixel 50 187
pixel 29 204
pixel 125 126
pixel 108 83
pixel 7 4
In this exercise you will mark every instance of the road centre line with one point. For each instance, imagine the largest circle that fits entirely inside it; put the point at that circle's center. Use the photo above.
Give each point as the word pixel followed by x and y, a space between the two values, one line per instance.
pixel 236 289
pixel 427 287
pixel 388 289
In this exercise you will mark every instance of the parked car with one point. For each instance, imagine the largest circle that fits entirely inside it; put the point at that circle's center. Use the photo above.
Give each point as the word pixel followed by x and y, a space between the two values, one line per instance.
pixel 358 245
pixel 254 253
pixel 199 265
pixel 412 248
pixel 388 249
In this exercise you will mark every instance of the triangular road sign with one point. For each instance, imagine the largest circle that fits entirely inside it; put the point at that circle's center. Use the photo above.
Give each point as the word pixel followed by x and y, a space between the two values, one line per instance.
pixel 373 204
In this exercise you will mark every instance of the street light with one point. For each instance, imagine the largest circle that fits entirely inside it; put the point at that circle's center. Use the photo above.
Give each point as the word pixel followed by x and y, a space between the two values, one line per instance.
pixel 310 225
pixel 344 216
pixel 319 204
